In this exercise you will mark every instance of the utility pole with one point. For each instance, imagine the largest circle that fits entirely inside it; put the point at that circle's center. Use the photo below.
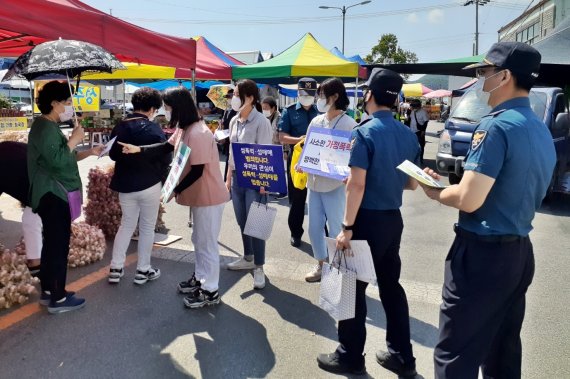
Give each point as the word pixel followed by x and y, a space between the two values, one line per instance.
pixel 477 3
pixel 343 10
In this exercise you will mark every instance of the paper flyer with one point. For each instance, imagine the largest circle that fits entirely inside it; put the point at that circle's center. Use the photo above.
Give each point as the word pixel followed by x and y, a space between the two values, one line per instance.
pixel 417 173
pixel 108 147
pixel 221 134
pixel 357 259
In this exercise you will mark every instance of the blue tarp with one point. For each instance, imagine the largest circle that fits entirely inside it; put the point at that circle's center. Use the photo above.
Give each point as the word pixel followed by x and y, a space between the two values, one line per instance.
pixel 355 58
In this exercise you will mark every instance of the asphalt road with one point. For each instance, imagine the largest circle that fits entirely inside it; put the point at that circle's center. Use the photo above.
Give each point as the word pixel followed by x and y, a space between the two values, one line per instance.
pixel 145 332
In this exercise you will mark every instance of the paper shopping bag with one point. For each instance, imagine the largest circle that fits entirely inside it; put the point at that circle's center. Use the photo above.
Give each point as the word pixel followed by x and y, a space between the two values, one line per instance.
pixel 260 220
pixel 338 292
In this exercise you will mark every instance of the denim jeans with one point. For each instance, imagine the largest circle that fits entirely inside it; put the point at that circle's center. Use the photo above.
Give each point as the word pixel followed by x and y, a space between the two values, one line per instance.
pixel 242 199
pixel 325 207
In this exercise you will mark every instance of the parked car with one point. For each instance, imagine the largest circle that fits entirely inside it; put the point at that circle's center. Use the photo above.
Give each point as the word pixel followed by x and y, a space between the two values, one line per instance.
pixel 549 105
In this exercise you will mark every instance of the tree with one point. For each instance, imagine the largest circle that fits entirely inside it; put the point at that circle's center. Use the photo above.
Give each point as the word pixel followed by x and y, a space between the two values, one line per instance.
pixel 4 102
pixel 388 48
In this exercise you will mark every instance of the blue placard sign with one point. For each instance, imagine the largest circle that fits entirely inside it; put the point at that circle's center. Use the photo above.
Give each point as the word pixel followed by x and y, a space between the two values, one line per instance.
pixel 260 166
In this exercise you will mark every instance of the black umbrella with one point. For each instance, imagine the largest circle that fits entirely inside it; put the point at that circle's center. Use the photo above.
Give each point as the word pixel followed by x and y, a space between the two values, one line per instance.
pixel 65 57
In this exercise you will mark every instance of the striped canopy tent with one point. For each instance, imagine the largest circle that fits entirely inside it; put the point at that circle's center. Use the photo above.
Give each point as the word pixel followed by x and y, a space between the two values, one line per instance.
pixel 415 90
pixel 306 58
pixel 211 64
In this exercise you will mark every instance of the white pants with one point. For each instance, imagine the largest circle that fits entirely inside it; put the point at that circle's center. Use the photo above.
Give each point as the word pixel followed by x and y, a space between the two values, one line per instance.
pixel 32 229
pixel 205 232
pixel 141 207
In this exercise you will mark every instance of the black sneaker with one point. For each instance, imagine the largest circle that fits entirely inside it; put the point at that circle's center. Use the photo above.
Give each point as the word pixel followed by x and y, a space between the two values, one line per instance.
pixel 143 277
pixel 201 298
pixel 45 297
pixel 295 241
pixel 393 363
pixel 67 304
pixel 189 286
pixel 115 275
pixel 335 364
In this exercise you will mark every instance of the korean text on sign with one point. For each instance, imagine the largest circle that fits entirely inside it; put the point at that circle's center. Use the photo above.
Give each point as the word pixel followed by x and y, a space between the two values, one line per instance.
pixel 260 166
pixel 326 153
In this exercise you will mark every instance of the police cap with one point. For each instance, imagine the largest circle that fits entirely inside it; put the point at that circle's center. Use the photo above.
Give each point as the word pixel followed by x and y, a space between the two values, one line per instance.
pixel 307 87
pixel 518 57
pixel 385 85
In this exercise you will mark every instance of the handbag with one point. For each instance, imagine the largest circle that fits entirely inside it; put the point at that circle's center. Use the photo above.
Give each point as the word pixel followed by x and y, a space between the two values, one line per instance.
pixel 338 291
pixel 260 220
pixel 75 201
pixel 299 179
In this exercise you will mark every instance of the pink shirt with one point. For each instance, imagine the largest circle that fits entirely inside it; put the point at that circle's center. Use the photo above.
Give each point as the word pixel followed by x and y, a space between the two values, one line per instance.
pixel 210 188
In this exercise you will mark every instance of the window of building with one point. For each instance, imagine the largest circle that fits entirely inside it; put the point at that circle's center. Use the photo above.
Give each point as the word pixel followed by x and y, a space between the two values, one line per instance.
pixel 529 34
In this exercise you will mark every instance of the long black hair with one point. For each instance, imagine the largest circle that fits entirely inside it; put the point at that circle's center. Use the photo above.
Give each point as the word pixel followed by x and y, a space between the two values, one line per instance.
pixel 333 86
pixel 184 111
pixel 247 87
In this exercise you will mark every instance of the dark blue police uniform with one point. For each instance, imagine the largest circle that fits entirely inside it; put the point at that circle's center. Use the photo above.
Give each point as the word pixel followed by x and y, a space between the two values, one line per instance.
pixel 295 120
pixel 491 264
pixel 380 144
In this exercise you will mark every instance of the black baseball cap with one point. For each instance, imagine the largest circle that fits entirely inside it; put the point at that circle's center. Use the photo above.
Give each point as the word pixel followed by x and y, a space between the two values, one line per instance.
pixel 517 57
pixel 307 87
pixel 385 85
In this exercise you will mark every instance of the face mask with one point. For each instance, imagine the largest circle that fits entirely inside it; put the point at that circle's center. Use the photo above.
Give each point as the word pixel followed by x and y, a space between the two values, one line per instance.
pixel 267 113
pixel 483 96
pixel 167 115
pixel 306 100
pixel 67 114
pixel 322 105
pixel 236 103
pixel 364 104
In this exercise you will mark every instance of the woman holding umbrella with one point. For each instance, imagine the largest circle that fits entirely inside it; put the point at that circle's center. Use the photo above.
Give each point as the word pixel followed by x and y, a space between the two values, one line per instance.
pixel 54 175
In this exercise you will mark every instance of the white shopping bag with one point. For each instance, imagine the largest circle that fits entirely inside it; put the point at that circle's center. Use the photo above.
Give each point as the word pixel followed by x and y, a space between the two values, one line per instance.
pixel 260 220
pixel 338 292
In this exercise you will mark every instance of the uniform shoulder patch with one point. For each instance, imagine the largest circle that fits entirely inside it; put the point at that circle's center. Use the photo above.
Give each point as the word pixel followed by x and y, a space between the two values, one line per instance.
pixel 478 138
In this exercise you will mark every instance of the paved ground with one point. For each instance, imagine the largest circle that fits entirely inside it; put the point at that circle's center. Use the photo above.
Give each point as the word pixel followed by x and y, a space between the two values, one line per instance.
pixel 145 332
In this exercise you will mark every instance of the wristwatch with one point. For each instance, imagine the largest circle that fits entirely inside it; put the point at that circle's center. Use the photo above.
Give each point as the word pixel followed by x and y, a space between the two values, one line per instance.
pixel 347 227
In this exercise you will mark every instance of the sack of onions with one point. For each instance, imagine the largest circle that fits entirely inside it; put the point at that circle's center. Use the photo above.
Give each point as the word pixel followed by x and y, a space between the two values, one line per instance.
pixel 16 283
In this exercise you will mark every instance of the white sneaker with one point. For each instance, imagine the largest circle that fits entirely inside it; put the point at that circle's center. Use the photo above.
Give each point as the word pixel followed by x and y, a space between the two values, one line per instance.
pixel 258 278
pixel 315 274
pixel 241 264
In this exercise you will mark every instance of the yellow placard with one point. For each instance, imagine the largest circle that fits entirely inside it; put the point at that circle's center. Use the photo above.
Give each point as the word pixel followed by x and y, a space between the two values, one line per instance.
pixel 86 98
pixel 13 123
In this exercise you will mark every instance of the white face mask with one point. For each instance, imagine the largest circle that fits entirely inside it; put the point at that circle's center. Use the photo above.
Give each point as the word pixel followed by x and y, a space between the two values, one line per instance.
pixel 67 114
pixel 167 115
pixel 483 96
pixel 236 103
pixel 267 113
pixel 306 100
pixel 322 105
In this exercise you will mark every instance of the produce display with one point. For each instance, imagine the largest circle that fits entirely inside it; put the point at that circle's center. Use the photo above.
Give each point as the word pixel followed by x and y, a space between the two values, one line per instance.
pixel 16 283
pixel 87 245
pixel 103 209
pixel 15 136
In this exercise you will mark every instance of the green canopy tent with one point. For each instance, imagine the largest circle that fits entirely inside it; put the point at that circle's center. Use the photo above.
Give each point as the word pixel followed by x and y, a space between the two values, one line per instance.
pixel 304 58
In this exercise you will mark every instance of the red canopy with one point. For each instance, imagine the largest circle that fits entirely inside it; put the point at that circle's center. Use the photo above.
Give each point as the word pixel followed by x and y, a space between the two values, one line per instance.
pixel 211 62
pixel 25 23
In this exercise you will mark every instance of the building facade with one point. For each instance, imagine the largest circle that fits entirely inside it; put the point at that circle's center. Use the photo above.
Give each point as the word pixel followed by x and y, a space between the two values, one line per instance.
pixel 537 23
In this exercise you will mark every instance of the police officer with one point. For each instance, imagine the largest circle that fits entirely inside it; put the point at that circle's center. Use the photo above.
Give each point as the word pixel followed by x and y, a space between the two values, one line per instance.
pixel 491 263
pixel 292 129
pixel 373 198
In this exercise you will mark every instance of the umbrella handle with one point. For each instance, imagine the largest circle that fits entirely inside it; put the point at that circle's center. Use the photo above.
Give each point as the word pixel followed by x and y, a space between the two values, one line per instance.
pixel 71 92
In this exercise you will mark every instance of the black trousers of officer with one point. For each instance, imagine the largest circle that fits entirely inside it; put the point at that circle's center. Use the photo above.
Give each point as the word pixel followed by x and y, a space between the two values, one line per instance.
pixel 383 231
pixel 486 279
pixel 421 135
pixel 297 199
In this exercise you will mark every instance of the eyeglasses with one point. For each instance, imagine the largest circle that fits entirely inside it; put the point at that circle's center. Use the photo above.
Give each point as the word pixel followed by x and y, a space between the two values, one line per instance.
pixel 485 71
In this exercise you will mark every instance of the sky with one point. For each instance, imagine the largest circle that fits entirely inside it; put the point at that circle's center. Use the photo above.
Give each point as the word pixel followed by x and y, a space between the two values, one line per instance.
pixel 433 29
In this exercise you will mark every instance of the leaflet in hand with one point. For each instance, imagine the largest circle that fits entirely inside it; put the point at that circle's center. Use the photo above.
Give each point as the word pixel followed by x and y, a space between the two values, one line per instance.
pixel 417 173
pixel 108 147
pixel 357 259
pixel 221 134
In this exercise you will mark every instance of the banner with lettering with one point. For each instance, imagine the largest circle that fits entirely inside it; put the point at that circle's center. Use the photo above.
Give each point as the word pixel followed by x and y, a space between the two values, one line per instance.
pixel 260 166
pixel 326 153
